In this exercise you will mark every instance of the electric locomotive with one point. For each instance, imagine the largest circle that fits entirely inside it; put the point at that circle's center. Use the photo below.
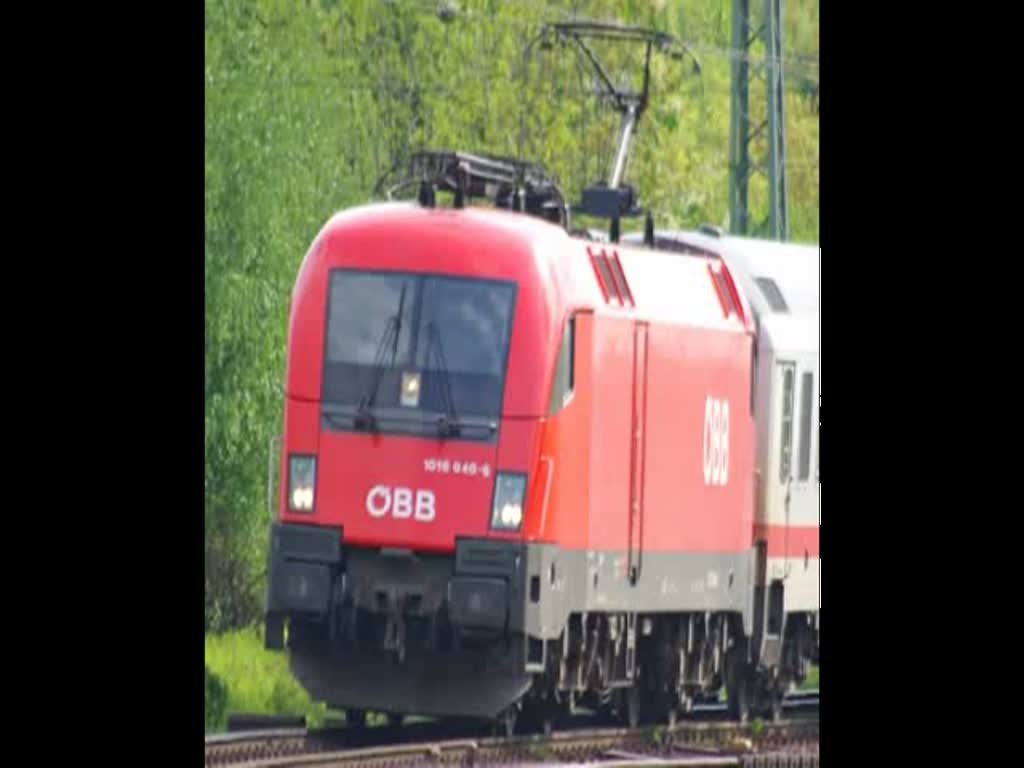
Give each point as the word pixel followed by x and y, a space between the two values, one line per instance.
pixel 519 468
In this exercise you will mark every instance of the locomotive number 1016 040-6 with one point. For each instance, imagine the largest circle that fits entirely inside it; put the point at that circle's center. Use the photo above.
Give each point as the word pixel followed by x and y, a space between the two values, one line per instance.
pixel 450 467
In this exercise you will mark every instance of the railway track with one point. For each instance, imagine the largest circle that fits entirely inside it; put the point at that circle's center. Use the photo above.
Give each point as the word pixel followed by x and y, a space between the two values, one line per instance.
pixel 689 743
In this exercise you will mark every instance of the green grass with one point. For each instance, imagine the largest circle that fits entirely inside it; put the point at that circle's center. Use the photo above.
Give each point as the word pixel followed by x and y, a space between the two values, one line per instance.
pixel 811 681
pixel 241 676
pixel 244 677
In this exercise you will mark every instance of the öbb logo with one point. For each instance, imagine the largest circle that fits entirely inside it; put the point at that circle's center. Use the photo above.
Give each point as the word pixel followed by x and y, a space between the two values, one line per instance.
pixel 716 441
pixel 399 502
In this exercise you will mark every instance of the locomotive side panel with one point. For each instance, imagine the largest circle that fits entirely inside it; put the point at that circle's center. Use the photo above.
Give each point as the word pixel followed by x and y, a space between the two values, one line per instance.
pixel 698 493
pixel 700 444
pixel 694 511
pixel 695 538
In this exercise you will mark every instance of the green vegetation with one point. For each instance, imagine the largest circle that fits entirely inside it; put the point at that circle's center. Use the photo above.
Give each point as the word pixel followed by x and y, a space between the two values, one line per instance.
pixel 811 681
pixel 308 104
pixel 243 677
pixel 216 702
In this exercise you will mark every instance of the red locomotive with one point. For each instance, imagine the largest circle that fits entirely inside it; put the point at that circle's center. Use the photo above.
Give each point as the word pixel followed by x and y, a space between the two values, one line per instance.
pixel 518 465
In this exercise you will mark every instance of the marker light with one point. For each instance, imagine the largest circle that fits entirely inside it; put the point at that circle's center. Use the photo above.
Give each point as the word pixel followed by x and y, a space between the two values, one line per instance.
pixel 507 509
pixel 301 481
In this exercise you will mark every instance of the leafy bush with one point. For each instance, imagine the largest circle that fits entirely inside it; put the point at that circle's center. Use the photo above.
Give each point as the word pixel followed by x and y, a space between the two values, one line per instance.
pixel 248 678
pixel 812 681
pixel 216 702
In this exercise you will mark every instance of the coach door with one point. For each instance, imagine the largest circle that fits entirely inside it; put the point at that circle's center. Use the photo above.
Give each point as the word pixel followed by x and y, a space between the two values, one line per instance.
pixel 639 439
pixel 803 504
pixel 780 479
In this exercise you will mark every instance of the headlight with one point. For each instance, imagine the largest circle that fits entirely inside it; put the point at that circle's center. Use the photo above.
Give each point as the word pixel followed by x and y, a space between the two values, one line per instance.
pixel 507 509
pixel 301 481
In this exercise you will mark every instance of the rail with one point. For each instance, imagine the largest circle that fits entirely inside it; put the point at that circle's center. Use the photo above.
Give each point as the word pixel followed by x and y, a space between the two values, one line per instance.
pixel 688 743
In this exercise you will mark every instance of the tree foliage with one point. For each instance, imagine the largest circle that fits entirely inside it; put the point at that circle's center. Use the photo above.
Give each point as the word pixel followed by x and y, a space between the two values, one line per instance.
pixel 309 103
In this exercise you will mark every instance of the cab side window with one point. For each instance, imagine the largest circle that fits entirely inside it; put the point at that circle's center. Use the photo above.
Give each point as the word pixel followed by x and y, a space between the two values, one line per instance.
pixel 564 380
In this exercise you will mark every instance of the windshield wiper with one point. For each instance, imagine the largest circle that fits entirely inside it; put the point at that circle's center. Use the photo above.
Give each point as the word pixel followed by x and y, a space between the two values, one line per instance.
pixel 447 425
pixel 364 417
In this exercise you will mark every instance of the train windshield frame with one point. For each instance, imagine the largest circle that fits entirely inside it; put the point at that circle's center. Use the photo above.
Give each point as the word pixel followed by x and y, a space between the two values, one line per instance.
pixel 404 350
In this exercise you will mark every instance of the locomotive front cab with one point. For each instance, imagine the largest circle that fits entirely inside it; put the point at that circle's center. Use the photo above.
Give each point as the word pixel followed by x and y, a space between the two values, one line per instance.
pixel 411 423
pixel 413 382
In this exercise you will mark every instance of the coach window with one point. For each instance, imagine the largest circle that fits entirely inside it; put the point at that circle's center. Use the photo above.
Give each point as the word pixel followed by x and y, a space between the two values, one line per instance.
pixel 786 460
pixel 806 390
pixel 562 385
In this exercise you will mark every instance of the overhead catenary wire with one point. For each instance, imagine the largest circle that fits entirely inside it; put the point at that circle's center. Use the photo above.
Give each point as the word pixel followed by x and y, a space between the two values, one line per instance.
pixel 791 63
pixel 545 9
pixel 397 84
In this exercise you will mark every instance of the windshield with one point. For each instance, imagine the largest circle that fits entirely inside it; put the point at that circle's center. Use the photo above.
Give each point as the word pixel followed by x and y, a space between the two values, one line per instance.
pixel 416 343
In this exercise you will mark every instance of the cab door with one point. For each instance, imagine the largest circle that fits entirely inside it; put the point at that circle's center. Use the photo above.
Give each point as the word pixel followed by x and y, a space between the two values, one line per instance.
pixel 780 475
pixel 803 505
